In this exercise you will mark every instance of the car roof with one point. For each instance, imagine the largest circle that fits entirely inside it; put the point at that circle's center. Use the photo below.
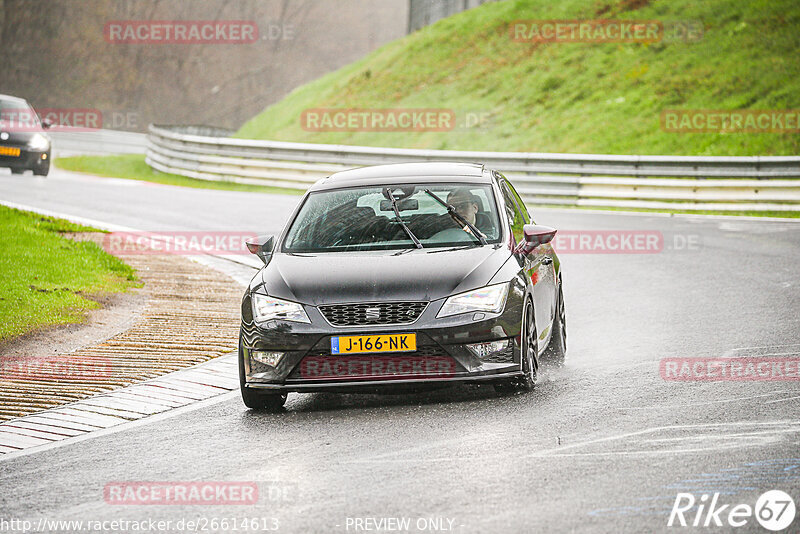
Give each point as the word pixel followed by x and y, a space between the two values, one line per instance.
pixel 434 172
pixel 13 99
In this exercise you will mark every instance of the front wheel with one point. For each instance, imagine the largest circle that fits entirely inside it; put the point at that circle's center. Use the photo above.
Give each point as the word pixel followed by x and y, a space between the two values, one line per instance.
pixel 268 402
pixel 528 354
pixel 42 171
pixel 254 399
pixel 557 350
pixel 17 170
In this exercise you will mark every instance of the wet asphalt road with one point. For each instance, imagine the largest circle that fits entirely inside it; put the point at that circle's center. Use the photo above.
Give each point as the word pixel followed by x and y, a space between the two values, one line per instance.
pixel 603 444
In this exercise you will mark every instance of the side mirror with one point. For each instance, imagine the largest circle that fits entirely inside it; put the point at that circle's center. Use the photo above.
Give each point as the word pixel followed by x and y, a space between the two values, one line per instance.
pixel 47 124
pixel 262 247
pixel 535 235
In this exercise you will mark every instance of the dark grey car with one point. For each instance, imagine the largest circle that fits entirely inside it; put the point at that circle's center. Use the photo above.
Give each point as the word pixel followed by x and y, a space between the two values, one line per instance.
pixel 23 143
pixel 402 275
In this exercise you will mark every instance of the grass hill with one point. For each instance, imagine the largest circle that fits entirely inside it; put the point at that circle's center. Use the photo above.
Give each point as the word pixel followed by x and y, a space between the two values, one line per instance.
pixel 569 97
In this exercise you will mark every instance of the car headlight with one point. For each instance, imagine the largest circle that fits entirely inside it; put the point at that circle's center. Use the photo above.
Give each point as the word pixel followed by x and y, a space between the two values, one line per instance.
pixel 486 299
pixel 266 308
pixel 39 142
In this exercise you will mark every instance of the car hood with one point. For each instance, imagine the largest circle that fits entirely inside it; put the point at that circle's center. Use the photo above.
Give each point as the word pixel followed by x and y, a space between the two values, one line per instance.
pixel 427 275
pixel 18 137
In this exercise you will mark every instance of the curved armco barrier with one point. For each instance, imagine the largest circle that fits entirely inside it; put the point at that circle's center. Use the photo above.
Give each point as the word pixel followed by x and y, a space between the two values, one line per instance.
pixel 661 182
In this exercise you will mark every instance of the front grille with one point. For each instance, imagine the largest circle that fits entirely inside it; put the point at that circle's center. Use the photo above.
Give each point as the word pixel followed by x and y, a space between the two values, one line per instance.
pixel 366 314
pixel 422 350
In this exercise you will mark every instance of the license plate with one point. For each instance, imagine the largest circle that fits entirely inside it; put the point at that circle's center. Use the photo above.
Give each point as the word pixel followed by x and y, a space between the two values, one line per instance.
pixel 375 343
pixel 9 151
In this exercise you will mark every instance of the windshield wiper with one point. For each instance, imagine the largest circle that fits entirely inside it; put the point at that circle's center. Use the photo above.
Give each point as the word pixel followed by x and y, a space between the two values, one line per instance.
pixel 477 234
pixel 399 219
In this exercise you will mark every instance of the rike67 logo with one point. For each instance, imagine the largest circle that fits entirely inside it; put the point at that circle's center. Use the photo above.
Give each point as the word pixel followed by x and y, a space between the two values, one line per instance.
pixel 774 510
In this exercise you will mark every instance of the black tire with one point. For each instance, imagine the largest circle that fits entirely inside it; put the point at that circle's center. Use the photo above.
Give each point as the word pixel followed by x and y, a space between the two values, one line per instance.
pixel 17 170
pixel 529 355
pixel 42 171
pixel 557 349
pixel 254 399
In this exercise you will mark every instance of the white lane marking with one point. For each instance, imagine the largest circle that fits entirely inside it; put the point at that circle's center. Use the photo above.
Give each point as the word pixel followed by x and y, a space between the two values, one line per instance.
pixel 763 438
pixel 672 427
pixel 761 355
pixel 703 403
pixel 736 352
pixel 781 400
pixel 720 436
pixel 69 217
pixel 769 346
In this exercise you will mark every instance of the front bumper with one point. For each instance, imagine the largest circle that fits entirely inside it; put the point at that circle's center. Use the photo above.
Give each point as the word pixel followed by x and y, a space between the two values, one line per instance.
pixel 28 159
pixel 398 384
pixel 440 342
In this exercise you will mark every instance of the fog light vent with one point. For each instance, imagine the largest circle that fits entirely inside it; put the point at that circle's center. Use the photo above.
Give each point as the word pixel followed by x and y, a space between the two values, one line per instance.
pixel 492 351
pixel 267 357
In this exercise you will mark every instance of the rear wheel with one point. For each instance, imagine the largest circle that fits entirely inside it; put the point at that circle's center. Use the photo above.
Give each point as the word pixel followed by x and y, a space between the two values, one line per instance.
pixel 257 400
pixel 529 354
pixel 557 350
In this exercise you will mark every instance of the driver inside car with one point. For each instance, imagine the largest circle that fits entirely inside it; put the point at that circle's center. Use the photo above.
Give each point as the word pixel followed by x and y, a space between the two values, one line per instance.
pixel 468 206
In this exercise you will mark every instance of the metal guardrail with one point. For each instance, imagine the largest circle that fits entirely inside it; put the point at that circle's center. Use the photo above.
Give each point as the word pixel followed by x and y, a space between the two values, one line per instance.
pixel 661 182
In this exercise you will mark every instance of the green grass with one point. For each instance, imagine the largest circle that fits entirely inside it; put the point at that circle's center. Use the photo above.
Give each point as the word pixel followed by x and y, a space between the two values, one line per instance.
pixel 569 97
pixel 47 279
pixel 133 167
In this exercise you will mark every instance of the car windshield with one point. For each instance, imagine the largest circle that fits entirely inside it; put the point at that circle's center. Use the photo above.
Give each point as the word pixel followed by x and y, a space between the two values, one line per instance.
pixel 364 218
pixel 15 114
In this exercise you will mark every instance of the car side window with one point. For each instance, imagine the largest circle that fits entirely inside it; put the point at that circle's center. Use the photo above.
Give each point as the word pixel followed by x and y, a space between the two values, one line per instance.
pixel 523 208
pixel 515 218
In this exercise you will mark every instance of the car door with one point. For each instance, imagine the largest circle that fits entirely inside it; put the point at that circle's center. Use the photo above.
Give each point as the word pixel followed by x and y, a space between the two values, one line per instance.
pixel 538 263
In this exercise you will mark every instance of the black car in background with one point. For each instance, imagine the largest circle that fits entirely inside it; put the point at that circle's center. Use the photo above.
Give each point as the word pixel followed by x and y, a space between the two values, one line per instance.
pixel 405 275
pixel 23 143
